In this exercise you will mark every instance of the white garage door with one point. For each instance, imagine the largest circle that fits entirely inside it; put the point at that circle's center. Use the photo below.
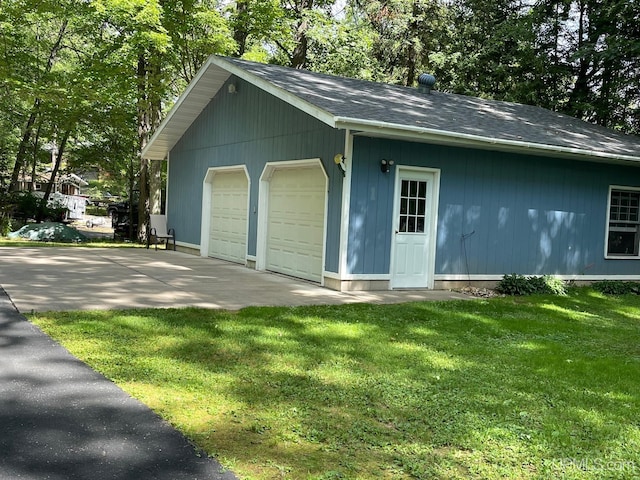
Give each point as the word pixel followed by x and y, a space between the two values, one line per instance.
pixel 228 233
pixel 296 222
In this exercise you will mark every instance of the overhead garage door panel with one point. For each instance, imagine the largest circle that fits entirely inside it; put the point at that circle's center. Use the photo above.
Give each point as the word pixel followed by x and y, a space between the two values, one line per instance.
pixel 228 233
pixel 296 222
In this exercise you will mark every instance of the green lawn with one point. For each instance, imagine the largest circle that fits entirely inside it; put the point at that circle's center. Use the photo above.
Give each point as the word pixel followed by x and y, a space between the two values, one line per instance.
pixel 531 387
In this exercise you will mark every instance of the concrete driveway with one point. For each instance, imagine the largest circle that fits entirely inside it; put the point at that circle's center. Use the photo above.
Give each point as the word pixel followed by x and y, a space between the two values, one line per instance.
pixel 82 278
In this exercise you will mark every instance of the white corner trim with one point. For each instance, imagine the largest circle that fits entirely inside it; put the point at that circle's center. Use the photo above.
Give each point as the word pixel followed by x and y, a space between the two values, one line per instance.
pixel 346 204
pixel 166 195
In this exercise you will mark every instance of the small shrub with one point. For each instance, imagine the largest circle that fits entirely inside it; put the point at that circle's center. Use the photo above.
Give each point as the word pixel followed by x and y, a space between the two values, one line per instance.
pixel 554 285
pixel 521 285
pixel 5 225
pixel 515 284
pixel 613 287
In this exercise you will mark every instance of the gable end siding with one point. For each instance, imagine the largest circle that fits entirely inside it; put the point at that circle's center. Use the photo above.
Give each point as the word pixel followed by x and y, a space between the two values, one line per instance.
pixel 249 127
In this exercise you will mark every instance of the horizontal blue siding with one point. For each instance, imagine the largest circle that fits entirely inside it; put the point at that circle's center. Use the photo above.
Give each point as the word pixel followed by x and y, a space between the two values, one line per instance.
pixel 252 128
pixel 522 214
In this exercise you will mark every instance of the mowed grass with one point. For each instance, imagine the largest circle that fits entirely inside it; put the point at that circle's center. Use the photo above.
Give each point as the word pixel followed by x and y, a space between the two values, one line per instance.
pixel 532 387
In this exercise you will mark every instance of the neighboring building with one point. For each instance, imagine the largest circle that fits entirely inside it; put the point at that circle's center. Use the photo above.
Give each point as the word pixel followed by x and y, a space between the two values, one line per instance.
pixel 67 184
pixel 70 184
pixel 429 188
pixel 65 192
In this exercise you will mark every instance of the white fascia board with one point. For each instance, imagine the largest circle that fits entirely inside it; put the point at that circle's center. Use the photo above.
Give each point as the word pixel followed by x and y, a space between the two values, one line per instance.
pixel 163 140
pixel 262 84
pixel 399 131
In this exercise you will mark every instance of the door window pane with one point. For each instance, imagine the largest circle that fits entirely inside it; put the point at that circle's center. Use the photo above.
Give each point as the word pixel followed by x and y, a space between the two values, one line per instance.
pixel 412 206
pixel 422 192
pixel 405 188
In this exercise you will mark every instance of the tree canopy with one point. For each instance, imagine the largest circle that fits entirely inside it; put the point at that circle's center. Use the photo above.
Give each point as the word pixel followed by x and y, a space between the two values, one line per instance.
pixel 90 81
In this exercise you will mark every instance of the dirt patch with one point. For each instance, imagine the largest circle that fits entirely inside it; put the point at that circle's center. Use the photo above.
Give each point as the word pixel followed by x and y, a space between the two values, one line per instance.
pixel 480 292
pixel 95 227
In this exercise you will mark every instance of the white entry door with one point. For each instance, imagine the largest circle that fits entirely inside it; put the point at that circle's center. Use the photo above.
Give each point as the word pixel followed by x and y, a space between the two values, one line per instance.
pixel 415 207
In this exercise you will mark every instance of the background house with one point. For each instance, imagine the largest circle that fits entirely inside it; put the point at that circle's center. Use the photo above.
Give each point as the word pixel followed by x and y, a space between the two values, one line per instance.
pixel 361 185
pixel 65 192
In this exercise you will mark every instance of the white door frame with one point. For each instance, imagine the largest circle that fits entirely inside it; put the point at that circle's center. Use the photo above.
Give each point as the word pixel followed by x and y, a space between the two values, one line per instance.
pixel 430 226
pixel 263 210
pixel 207 188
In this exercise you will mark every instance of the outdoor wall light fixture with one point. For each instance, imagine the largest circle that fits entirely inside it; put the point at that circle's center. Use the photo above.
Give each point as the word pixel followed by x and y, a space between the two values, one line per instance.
pixel 339 161
pixel 231 88
pixel 385 165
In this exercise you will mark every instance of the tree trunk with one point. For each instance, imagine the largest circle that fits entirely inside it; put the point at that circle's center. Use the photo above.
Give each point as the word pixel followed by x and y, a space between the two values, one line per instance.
pixel 34 165
pixel 412 53
pixel 155 107
pixel 579 96
pixel 35 111
pixel 240 33
pixel 149 95
pixel 144 129
pixel 155 186
pixel 299 55
pixel 22 148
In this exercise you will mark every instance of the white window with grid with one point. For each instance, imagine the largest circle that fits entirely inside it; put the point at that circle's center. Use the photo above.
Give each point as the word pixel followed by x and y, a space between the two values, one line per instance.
pixel 623 224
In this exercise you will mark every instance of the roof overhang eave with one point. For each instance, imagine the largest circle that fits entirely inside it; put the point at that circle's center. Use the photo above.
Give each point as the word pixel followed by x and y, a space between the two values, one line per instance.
pixel 440 137
pixel 186 109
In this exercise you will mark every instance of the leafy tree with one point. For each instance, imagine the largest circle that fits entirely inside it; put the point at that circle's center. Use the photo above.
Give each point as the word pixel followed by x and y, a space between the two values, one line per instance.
pixel 342 44
pixel 408 33
pixel 160 44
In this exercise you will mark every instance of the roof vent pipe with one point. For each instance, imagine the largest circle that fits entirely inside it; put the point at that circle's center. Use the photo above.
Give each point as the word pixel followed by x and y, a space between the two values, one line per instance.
pixel 426 81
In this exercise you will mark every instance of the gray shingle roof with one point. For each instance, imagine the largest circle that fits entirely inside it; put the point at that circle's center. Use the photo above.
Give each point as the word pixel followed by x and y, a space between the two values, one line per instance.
pixel 379 109
pixel 446 112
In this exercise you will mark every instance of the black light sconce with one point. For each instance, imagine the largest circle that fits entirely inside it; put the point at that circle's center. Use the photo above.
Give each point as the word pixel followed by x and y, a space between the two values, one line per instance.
pixel 339 161
pixel 385 165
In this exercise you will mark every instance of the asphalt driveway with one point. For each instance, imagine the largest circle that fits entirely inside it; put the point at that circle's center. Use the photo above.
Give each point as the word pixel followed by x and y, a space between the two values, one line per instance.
pixel 82 278
pixel 61 420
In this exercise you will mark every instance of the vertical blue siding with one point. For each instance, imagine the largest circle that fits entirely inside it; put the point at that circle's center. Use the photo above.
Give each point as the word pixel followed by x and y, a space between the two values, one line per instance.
pixel 252 128
pixel 523 214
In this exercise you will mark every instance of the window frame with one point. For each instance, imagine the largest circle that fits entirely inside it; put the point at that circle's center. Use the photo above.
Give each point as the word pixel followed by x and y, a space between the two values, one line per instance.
pixel 619 256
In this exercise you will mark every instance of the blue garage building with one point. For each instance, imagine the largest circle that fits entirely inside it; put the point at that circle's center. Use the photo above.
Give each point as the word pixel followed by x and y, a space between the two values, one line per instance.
pixel 362 185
